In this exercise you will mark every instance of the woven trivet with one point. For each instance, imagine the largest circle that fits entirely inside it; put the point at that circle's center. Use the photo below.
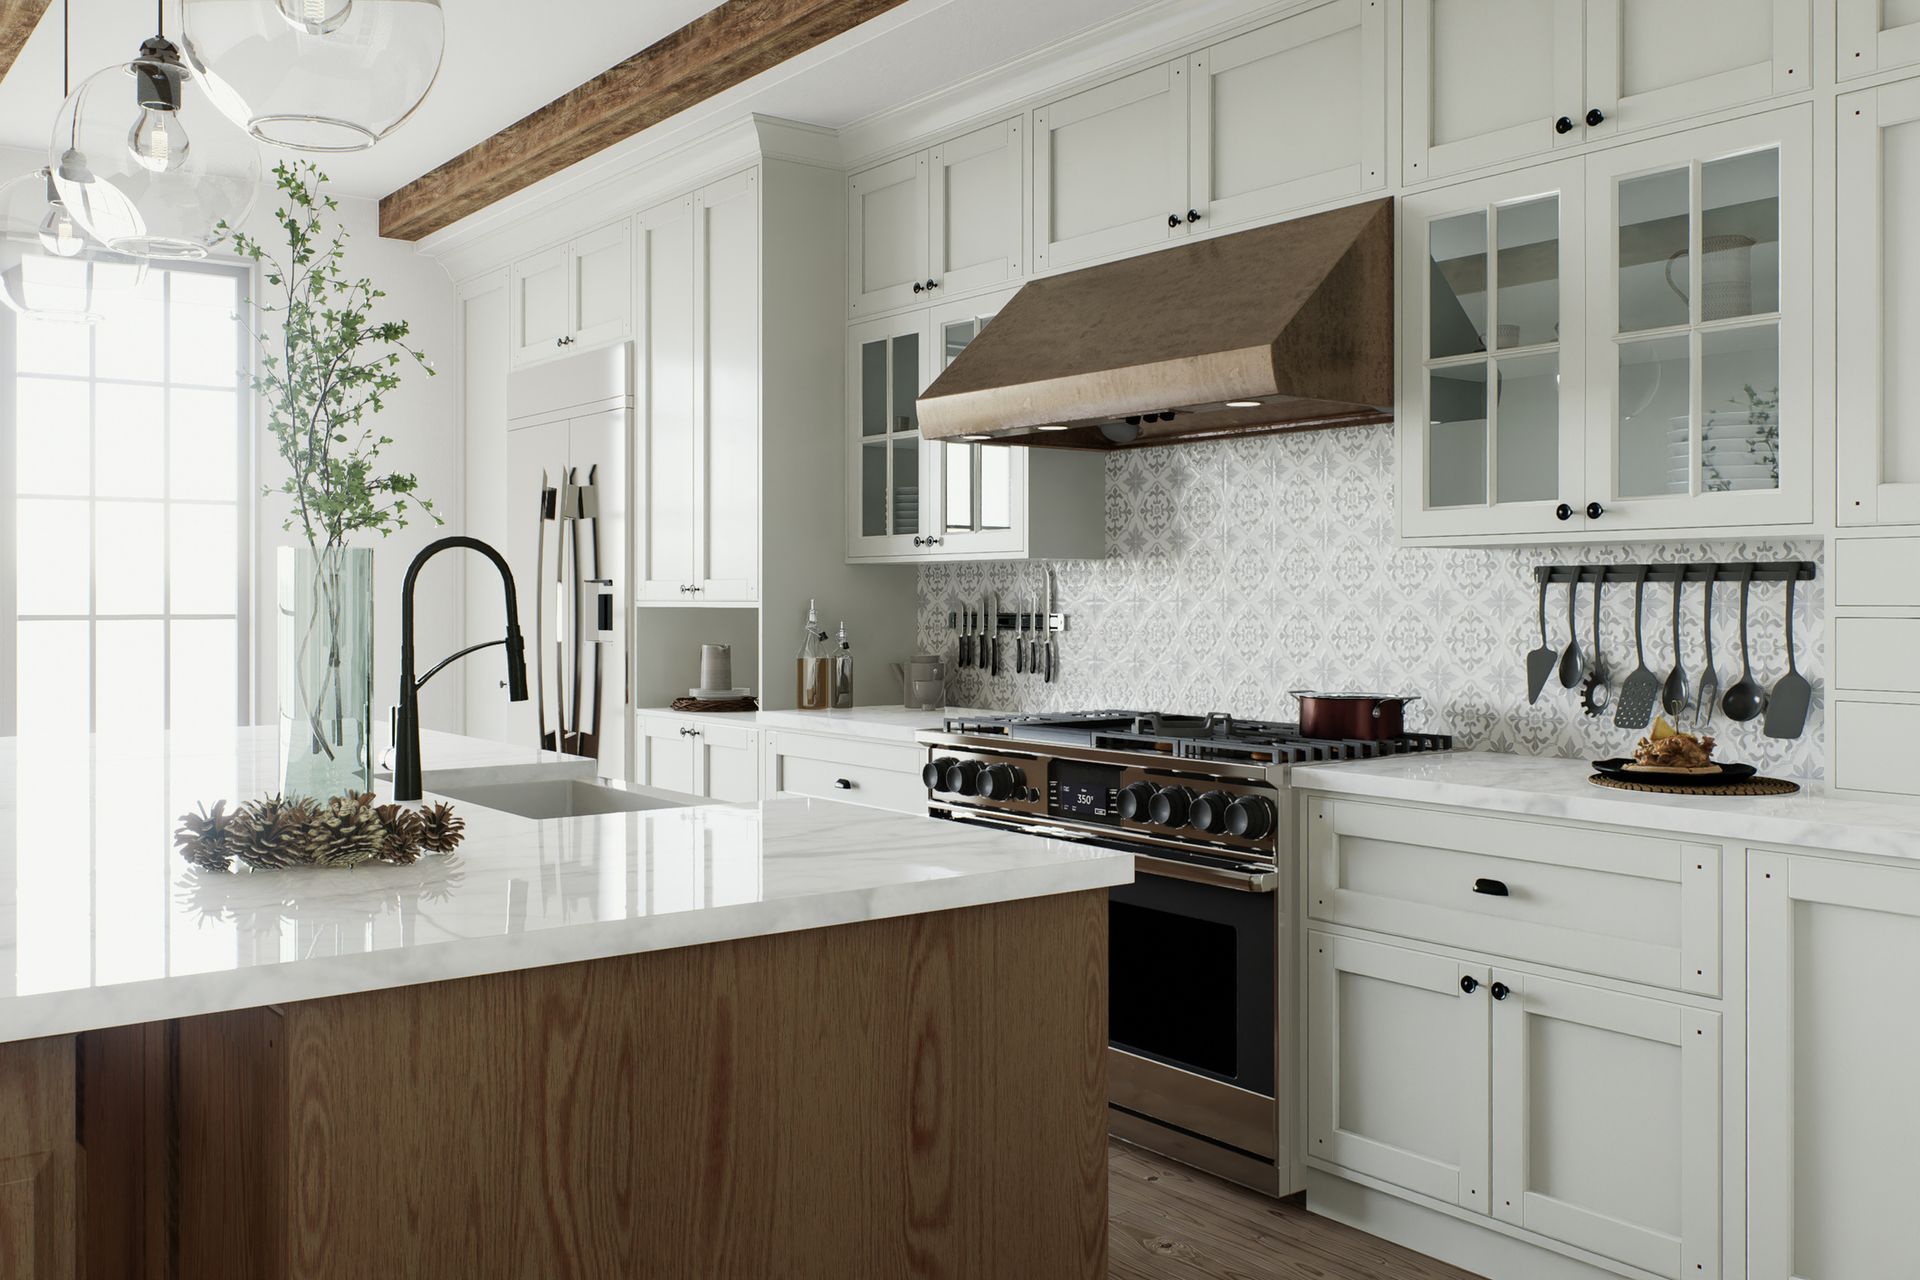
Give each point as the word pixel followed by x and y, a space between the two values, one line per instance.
pixel 1751 787
pixel 714 704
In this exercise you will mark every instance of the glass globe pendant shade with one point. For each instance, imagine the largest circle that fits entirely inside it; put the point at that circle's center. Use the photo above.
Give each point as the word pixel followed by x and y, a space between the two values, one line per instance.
pixel 144 162
pixel 315 75
pixel 73 278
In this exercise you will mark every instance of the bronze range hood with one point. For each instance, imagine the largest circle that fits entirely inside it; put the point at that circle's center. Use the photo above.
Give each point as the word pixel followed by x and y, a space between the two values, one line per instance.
pixel 1280 328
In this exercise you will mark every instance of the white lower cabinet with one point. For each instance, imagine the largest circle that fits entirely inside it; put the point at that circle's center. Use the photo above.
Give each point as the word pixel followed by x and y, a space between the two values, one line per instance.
pixel 885 775
pixel 1833 1125
pixel 699 755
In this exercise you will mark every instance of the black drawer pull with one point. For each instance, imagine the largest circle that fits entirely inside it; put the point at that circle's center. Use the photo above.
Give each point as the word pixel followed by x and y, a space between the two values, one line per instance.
pixel 843 784
pixel 1492 888
pixel 1469 984
pixel 1500 990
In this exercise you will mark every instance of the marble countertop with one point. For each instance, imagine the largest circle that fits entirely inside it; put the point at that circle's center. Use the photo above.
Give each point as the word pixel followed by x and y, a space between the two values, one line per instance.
pixel 1557 788
pixel 876 724
pixel 101 924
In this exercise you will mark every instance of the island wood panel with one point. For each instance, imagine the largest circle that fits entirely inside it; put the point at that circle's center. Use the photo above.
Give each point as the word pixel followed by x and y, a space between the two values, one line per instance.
pixel 919 1097
pixel 126 1133
pixel 39 1161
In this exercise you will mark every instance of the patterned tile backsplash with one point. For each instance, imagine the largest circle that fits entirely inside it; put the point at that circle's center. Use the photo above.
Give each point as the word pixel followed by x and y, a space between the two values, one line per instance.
pixel 1241 569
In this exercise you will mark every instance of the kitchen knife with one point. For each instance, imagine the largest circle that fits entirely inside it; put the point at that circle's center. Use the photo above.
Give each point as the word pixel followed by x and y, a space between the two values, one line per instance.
pixel 993 635
pixel 1046 628
pixel 1020 644
pixel 966 637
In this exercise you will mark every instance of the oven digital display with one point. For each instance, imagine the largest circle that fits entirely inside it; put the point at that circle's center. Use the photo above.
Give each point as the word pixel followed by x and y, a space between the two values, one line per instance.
pixel 1089 792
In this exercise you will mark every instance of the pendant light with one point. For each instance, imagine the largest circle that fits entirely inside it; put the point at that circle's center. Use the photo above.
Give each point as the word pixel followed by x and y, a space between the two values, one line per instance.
pixel 51 269
pixel 143 162
pixel 315 75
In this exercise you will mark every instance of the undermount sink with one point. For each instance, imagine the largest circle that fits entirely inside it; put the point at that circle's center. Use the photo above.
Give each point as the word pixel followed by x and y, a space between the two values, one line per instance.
pixel 560 797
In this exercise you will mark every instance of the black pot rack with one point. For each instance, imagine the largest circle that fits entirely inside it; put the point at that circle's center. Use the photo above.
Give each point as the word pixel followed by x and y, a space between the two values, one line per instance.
pixel 1703 571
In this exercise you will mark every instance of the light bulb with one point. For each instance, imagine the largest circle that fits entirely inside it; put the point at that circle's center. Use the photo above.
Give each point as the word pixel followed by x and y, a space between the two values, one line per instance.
pixel 315 17
pixel 60 235
pixel 158 141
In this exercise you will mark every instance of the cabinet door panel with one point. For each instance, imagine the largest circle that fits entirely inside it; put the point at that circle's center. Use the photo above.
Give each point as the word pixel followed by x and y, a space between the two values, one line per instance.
pixel 538 305
pixel 1833 952
pixel 887 234
pixel 1485 82
pixel 729 763
pixel 668 757
pixel 600 286
pixel 1876 35
pixel 1878 277
pixel 665 358
pixel 978 209
pixel 727 322
pixel 1240 166
pixel 893 476
pixel 1397 1073
pixel 1606 1123
pixel 1109 168
pixel 1649 61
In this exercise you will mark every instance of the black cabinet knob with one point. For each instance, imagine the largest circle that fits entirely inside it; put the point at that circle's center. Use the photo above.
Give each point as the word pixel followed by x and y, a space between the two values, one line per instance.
pixel 1002 782
pixel 1250 817
pixel 1173 219
pixel 1500 991
pixel 1134 800
pixel 1469 984
pixel 1193 215
pixel 1492 888
pixel 1594 116
pixel 918 287
pixel 1209 812
pixel 935 773
pixel 1563 125
pixel 932 285
pixel 843 784
pixel 1595 511
pixel 1171 806
pixel 1563 512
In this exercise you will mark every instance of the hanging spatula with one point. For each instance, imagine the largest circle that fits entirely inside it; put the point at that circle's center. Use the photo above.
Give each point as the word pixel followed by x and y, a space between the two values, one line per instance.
pixel 1541 661
pixel 1787 704
pixel 1635 709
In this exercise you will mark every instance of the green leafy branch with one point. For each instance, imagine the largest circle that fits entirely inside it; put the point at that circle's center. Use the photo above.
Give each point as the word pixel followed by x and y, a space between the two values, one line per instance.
pixel 325 376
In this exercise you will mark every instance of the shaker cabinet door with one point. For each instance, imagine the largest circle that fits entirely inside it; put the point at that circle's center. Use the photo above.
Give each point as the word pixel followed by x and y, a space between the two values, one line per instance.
pixel 1485 82
pixel 668 434
pixel 887 235
pixel 600 286
pixel 977 209
pixel 1109 168
pixel 1650 61
pixel 727 391
pixel 893 475
pixel 538 306
pixel 1876 35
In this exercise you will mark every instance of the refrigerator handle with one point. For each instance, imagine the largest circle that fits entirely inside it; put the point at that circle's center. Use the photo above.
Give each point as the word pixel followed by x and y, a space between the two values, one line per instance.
pixel 548 508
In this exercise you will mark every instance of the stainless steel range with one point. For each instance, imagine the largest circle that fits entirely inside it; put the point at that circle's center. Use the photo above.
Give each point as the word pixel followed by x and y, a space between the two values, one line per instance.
pixel 1201 945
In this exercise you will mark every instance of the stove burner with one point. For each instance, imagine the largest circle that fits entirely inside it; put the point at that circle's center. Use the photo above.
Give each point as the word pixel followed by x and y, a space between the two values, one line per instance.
pixel 1214 736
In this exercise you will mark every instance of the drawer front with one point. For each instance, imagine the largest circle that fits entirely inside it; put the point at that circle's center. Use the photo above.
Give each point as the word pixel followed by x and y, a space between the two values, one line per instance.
pixel 1876 654
pixel 1638 908
pixel 1871 742
pixel 1875 572
pixel 883 775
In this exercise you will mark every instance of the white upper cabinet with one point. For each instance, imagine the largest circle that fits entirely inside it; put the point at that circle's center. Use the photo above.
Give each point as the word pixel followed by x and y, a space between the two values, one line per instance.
pixel 1876 35
pixel 573 296
pixel 1493 81
pixel 887 234
pixel 668 439
pixel 1615 343
pixel 1240 166
pixel 1487 80
pixel 890 469
pixel 1878 278
pixel 1110 168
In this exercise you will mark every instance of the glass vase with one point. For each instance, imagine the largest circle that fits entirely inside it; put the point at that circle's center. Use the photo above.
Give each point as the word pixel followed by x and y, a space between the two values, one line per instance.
pixel 326 671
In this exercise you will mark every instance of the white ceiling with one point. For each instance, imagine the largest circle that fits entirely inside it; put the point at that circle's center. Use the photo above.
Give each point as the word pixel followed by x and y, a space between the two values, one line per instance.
pixel 499 67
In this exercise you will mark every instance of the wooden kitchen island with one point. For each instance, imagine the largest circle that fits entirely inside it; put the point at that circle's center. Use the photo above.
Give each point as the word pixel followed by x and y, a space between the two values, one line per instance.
pixel 794 1039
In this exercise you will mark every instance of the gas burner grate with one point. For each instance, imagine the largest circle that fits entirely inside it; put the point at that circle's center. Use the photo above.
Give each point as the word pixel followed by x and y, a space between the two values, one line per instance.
pixel 1183 737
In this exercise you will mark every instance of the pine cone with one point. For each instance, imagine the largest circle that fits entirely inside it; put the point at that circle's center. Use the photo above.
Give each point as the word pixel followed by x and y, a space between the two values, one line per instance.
pixel 206 839
pixel 404 830
pixel 275 832
pixel 347 832
pixel 442 830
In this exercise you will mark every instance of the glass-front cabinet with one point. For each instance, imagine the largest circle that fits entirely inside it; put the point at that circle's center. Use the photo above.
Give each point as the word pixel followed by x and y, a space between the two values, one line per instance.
pixel 893 472
pixel 1614 343
pixel 979 483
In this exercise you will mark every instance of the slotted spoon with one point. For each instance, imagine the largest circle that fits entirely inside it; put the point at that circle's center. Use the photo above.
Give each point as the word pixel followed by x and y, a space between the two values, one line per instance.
pixel 1787 704
pixel 1540 661
pixel 1635 708
pixel 1673 695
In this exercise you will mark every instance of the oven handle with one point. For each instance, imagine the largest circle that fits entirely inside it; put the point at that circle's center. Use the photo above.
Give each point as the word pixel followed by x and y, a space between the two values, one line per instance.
pixel 1146 863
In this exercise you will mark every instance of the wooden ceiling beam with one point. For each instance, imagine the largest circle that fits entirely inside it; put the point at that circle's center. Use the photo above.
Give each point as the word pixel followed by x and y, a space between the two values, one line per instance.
pixel 18 18
pixel 716 51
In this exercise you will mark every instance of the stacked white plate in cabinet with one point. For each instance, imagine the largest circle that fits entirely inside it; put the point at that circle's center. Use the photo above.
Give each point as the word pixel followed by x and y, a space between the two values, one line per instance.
pixel 1735 453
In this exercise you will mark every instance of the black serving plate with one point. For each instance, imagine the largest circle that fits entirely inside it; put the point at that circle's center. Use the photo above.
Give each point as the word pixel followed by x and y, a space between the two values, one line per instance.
pixel 1729 774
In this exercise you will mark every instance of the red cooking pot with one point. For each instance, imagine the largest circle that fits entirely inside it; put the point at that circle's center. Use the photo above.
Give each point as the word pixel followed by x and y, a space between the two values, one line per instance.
pixel 1366 716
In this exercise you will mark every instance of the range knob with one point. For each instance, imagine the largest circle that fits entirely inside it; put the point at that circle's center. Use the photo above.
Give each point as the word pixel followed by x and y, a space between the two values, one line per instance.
pixel 934 773
pixel 963 776
pixel 1210 812
pixel 1250 817
pixel 1134 799
pixel 1002 782
pixel 1171 806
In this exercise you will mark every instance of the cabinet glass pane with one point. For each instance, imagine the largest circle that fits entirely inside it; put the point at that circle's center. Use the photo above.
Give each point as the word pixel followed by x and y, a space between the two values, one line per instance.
pixel 873 388
pixel 906 486
pixel 1740 404
pixel 1527 435
pixel 1740 235
pixel 1457 260
pixel 1457 436
pixel 958 471
pixel 906 382
pixel 996 486
pixel 1654 439
pixel 1653 251
pixel 954 337
pixel 873 489
pixel 1527 311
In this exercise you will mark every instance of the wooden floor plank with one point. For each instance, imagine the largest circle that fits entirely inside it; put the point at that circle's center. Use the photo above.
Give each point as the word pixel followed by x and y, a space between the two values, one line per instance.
pixel 1169 1222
